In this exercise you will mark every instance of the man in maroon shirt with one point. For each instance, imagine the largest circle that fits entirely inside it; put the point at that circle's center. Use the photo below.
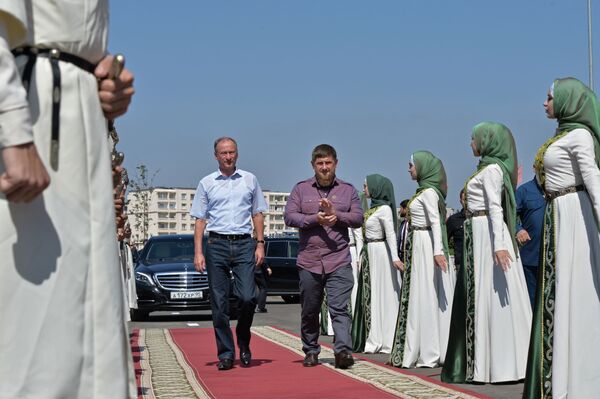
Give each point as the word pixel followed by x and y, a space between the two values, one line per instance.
pixel 323 208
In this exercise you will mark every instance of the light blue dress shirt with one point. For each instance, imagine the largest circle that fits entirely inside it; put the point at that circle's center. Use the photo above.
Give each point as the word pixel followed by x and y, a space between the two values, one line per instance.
pixel 228 203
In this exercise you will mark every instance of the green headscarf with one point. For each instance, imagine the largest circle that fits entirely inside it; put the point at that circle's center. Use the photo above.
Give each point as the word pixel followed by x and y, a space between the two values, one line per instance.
pixel 364 201
pixel 496 145
pixel 431 174
pixel 576 106
pixel 381 192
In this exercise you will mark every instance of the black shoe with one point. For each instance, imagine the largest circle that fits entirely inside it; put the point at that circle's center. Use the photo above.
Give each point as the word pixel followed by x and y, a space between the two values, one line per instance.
pixel 343 360
pixel 245 356
pixel 225 364
pixel 311 360
pixel 261 310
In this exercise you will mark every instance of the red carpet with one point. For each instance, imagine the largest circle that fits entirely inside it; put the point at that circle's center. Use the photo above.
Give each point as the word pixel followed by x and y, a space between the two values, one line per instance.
pixel 181 363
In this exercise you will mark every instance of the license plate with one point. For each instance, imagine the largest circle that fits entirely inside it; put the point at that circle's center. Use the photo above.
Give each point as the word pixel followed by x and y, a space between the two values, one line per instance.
pixel 187 295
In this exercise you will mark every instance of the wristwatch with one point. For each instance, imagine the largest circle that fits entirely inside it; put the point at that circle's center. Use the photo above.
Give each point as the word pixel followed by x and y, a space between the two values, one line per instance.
pixel 260 241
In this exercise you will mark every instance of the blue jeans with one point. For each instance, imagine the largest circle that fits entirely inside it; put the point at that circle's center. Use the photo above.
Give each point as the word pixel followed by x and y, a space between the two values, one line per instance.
pixel 224 258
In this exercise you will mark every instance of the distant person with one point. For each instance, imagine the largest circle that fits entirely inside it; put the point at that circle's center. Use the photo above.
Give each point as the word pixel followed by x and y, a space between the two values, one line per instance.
pixel 228 203
pixel 423 322
pixel 455 231
pixel 261 276
pixel 323 208
pixel 403 230
pixel 530 211
pixel 379 278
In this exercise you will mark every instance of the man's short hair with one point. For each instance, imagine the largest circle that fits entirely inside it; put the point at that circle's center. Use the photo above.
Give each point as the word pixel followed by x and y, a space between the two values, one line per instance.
pixel 404 203
pixel 322 151
pixel 462 191
pixel 224 138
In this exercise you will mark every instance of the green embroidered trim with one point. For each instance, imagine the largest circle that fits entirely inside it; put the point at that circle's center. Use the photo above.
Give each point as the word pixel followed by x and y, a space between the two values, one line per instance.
pixel 548 287
pixel 469 266
pixel 324 314
pixel 397 355
pixel 538 163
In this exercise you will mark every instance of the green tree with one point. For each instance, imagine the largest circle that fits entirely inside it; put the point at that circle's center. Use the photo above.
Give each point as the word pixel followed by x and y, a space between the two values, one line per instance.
pixel 138 204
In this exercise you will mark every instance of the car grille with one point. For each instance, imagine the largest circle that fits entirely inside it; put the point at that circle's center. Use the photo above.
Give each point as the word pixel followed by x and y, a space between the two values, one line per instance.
pixel 182 281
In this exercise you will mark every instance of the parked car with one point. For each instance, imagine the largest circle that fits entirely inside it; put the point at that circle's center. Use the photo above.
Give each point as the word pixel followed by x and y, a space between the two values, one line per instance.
pixel 280 256
pixel 167 280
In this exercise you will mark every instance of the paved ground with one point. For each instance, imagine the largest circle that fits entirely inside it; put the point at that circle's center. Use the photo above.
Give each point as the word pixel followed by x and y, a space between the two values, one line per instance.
pixel 288 317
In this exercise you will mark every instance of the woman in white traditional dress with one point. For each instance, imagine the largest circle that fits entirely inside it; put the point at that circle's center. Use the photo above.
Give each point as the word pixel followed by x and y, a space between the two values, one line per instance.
pixel 491 314
pixel 379 279
pixel 61 303
pixel 423 319
pixel 565 339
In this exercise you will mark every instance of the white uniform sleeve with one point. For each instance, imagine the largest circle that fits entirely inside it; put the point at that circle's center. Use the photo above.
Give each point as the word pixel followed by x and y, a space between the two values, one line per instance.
pixel 15 121
pixel 492 193
pixel 387 225
pixel 432 214
pixel 583 150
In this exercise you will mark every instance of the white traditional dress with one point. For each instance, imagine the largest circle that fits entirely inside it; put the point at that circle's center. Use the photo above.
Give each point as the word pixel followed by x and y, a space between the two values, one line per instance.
pixel 575 327
pixel 385 281
pixel 61 302
pixel 430 290
pixel 501 320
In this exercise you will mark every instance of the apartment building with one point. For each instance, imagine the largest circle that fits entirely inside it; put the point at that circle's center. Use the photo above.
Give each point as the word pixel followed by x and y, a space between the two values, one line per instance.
pixel 165 210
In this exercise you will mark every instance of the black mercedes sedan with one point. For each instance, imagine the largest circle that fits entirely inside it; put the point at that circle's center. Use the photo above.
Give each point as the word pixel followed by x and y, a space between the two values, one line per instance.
pixel 166 279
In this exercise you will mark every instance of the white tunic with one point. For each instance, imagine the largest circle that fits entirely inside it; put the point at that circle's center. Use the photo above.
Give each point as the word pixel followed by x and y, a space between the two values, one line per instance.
pixel 61 302
pixel 502 307
pixel 569 162
pixel 385 280
pixel 431 289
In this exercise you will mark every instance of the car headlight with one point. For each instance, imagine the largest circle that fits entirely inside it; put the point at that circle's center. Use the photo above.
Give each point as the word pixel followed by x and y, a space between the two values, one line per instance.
pixel 143 278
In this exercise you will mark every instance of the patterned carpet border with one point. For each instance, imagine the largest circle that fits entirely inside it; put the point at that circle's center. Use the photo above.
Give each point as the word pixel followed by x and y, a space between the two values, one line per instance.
pixel 388 380
pixel 166 374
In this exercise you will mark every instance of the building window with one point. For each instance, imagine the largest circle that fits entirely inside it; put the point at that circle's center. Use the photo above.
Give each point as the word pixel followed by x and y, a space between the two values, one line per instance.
pixel 172 205
pixel 171 195
pixel 192 196
pixel 184 205
pixel 183 196
pixel 162 195
pixel 162 205
pixel 172 215
pixel 162 225
pixel 172 225
pixel 162 215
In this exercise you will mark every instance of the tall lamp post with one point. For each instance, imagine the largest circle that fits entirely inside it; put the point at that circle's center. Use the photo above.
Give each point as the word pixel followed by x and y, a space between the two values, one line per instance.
pixel 590 63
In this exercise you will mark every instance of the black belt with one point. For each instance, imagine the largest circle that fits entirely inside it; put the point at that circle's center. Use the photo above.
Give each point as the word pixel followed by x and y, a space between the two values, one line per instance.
pixel 352 245
pixel 374 240
pixel 473 214
pixel 413 228
pixel 54 56
pixel 230 237
pixel 550 195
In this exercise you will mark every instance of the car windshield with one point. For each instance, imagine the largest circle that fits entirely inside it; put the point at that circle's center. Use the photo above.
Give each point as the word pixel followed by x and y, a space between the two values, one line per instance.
pixel 169 251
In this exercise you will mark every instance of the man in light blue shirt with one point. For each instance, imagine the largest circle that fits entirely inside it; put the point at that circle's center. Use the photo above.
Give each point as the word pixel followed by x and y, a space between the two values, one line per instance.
pixel 227 204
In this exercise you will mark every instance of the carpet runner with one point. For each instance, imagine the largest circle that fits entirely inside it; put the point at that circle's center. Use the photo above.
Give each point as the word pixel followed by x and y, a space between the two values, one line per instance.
pixel 181 363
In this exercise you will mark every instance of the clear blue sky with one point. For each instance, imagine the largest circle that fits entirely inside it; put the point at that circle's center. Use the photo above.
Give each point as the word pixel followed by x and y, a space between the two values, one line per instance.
pixel 376 79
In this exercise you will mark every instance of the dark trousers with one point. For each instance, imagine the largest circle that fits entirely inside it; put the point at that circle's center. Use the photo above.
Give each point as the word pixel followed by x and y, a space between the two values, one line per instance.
pixel 531 279
pixel 224 258
pixel 261 283
pixel 338 285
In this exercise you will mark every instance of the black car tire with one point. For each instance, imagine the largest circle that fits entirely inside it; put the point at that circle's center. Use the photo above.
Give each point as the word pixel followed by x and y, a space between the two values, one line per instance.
pixel 138 315
pixel 291 298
